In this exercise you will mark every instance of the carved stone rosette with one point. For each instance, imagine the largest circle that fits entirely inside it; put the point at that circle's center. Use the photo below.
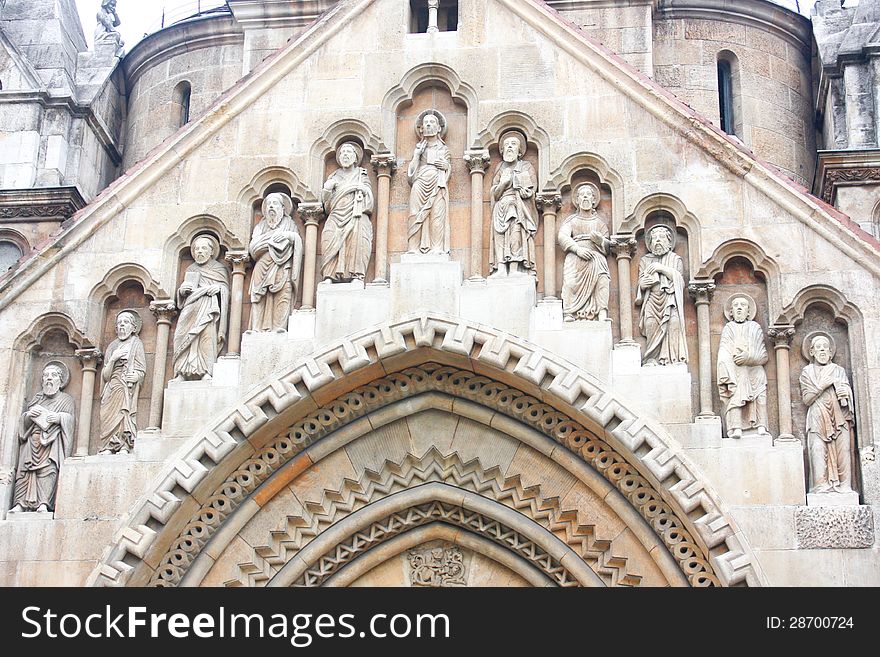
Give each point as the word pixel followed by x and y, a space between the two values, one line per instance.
pixel 437 567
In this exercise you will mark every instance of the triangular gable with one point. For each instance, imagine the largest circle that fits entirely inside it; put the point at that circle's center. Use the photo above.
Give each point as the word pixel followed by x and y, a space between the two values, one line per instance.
pixel 21 65
pixel 662 104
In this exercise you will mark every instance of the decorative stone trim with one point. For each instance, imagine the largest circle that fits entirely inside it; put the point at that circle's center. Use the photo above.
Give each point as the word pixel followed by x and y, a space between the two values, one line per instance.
pixel 835 177
pixel 321 378
pixel 43 204
pixel 437 567
pixel 838 527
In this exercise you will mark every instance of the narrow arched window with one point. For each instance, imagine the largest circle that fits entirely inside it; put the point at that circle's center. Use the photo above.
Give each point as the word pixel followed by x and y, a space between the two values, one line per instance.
pixel 729 94
pixel 182 94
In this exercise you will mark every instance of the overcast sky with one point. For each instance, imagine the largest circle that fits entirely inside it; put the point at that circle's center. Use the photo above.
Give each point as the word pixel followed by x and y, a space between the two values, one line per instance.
pixel 145 16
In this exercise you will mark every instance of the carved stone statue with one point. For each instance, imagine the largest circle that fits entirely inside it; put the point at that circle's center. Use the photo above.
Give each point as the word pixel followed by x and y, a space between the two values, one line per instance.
pixel 347 239
pixel 514 216
pixel 108 21
pixel 742 381
pixel 827 394
pixel 660 298
pixel 45 437
pixel 586 280
pixel 203 299
pixel 277 251
pixel 125 366
pixel 428 173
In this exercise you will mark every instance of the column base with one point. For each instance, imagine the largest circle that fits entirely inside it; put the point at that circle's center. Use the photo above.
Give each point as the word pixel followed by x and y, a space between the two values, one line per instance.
pixel 787 438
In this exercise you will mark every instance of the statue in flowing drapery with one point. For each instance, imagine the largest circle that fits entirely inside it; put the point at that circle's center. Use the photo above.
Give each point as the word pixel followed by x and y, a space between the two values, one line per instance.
pixel 514 216
pixel 660 298
pixel 828 396
pixel 45 437
pixel 428 173
pixel 347 239
pixel 203 299
pixel 742 381
pixel 277 250
pixel 125 367
pixel 586 281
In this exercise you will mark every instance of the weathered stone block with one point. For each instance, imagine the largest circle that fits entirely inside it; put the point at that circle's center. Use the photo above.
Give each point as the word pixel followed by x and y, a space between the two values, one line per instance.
pixel 835 527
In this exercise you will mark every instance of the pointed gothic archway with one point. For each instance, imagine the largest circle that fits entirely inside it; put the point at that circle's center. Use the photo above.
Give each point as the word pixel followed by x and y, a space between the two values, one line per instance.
pixel 330 468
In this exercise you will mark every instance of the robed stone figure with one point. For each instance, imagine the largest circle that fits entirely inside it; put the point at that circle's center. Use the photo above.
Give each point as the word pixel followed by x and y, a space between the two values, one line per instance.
pixel 428 173
pixel 277 250
pixel 347 239
pixel 660 297
pixel 45 437
pixel 742 380
pixel 125 367
pixel 203 299
pixel 828 396
pixel 514 216
pixel 586 280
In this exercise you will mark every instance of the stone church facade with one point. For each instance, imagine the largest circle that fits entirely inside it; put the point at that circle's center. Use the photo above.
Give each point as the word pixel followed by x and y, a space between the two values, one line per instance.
pixel 441 293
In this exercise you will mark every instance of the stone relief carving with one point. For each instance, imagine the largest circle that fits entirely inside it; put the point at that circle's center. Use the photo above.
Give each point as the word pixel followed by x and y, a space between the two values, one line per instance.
pixel 514 215
pixel 660 298
pixel 108 21
pixel 203 299
pixel 586 281
pixel 428 173
pixel 125 367
pixel 437 567
pixel 277 251
pixel 347 239
pixel 742 380
pixel 45 437
pixel 828 396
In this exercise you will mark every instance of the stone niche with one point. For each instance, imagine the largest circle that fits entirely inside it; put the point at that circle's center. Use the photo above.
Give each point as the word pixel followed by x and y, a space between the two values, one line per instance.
pixel 740 277
pixel 129 295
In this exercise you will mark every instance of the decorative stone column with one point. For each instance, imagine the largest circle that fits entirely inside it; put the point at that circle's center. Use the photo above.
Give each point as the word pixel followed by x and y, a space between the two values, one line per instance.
pixel 478 162
pixel 90 359
pixel 164 310
pixel 782 336
pixel 311 214
pixel 238 261
pixel 385 165
pixel 549 202
pixel 702 292
pixel 433 23
pixel 624 248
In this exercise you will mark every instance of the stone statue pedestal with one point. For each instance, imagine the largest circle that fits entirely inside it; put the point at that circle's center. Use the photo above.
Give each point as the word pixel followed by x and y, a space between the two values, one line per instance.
pixel 702 433
pixel 585 344
pixel 751 438
pixel 226 371
pixel 345 308
pixel 833 499
pixel 505 303
pixel 663 391
pixel 626 358
pixel 189 405
pixel 30 515
pixel 429 282
pixel 263 352
pixel 301 325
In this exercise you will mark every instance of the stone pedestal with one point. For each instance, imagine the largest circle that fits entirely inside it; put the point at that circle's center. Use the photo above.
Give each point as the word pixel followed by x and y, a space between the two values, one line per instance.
pixel 503 303
pixel 264 352
pixel 663 391
pixel 301 325
pixel 345 308
pixel 22 516
pixel 626 358
pixel 833 499
pixel 702 433
pixel 425 283
pixel 189 405
pixel 226 371
pixel 585 344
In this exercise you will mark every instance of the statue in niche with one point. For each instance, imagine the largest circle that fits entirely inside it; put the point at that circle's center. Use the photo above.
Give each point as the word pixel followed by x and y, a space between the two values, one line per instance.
pixel 347 239
pixel 277 251
pixel 125 367
pixel 108 21
pixel 828 396
pixel 514 216
pixel 428 173
pixel 203 299
pixel 586 281
pixel 45 436
pixel 742 381
pixel 660 298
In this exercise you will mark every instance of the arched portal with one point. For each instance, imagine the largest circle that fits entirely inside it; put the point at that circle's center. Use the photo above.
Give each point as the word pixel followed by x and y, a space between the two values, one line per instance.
pixel 438 433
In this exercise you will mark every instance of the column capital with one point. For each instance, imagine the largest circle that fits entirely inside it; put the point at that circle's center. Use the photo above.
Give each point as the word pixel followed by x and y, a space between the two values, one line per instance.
pixel 550 200
pixel 477 160
pixel 311 213
pixel 781 336
pixel 164 310
pixel 239 261
pixel 385 164
pixel 701 291
pixel 90 357
pixel 623 246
